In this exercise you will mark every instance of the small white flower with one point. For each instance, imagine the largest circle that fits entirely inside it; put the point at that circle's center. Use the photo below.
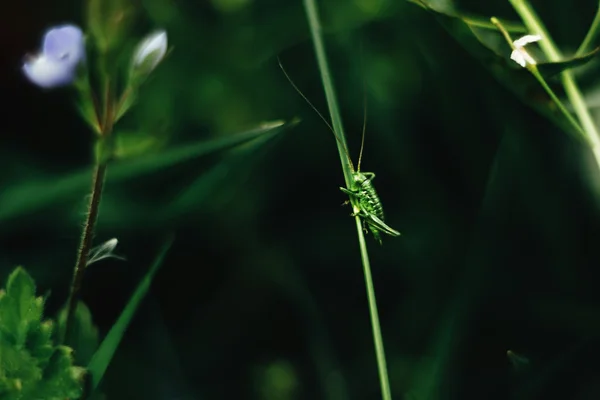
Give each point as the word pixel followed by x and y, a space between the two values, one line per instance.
pixel 519 54
pixel 150 51
pixel 105 250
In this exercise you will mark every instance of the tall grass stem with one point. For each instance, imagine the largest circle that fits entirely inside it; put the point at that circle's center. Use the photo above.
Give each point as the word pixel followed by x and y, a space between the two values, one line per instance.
pixel 316 34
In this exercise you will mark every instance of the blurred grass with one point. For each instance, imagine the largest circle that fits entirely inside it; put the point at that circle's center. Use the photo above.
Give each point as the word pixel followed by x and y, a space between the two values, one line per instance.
pixel 264 256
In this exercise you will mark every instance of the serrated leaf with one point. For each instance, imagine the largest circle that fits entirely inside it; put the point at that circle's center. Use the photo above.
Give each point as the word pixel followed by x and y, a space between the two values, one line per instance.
pixel 61 379
pixel 9 323
pixel 19 307
pixel 101 359
pixel 21 287
pixel 39 341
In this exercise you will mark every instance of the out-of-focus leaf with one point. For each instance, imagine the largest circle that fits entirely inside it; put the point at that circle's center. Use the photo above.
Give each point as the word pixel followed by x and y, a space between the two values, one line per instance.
pixel 135 144
pixel 447 8
pixel 554 68
pixel 518 361
pixel 109 21
pixel 32 196
pixel 85 334
pixel 198 191
pixel 101 359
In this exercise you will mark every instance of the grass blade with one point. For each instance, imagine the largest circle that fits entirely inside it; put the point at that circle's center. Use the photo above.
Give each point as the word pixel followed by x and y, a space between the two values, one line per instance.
pixel 101 359
pixel 315 30
pixel 32 196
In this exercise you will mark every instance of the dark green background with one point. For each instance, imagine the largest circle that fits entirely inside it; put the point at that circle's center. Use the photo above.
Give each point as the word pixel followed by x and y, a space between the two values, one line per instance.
pixel 263 287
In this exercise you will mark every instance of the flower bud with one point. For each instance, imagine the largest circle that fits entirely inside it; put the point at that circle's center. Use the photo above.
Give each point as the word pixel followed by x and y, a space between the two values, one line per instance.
pixel 150 52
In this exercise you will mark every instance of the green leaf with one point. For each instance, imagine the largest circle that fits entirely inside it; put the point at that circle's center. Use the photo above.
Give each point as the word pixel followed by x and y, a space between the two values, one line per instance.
pixel 85 337
pixel 61 379
pixel 549 69
pixel 199 193
pixel 39 341
pixel 448 8
pixel 109 22
pixel 130 144
pixel 21 287
pixel 19 307
pixel 32 196
pixel 31 367
pixel 101 359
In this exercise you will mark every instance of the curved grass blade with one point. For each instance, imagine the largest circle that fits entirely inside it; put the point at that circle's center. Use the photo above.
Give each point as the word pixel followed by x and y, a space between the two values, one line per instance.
pixel 237 164
pixel 550 69
pixel 32 196
pixel 101 359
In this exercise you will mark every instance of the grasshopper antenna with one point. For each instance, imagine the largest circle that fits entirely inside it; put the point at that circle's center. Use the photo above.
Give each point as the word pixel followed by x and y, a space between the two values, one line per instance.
pixel 364 129
pixel 317 111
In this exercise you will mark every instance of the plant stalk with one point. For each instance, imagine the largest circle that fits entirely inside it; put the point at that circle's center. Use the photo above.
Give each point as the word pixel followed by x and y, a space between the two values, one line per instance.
pixel 316 33
pixel 87 236
pixel 85 245
pixel 336 120
pixel 384 383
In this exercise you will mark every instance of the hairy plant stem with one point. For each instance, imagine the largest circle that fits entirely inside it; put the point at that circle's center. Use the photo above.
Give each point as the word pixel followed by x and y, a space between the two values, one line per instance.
pixel 316 33
pixel 85 245
pixel 87 236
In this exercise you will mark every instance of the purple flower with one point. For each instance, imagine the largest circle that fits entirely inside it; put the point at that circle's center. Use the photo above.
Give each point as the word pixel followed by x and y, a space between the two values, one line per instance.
pixel 63 50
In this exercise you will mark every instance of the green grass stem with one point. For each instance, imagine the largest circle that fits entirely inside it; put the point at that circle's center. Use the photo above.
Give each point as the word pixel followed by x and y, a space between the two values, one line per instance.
pixel 316 34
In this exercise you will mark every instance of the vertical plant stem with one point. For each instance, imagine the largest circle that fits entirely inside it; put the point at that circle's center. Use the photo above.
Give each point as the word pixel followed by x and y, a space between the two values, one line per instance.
pixel 316 33
pixel 85 244
pixel 87 236
pixel 336 120
pixel 386 393
pixel 535 25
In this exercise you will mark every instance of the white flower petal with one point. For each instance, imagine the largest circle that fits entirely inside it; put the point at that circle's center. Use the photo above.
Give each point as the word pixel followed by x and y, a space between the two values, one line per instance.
pixel 521 42
pixel 48 73
pixel 151 50
pixel 105 250
pixel 517 56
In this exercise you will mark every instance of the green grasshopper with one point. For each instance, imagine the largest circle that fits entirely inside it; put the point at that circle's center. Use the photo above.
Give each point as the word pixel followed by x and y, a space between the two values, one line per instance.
pixel 362 193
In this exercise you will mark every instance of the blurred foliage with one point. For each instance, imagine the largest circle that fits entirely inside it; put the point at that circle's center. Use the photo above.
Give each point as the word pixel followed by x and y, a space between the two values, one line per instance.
pixel 32 366
pixel 262 294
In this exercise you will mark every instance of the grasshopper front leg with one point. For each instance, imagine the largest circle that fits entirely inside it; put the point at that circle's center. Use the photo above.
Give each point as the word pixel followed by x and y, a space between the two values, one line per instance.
pixel 350 193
